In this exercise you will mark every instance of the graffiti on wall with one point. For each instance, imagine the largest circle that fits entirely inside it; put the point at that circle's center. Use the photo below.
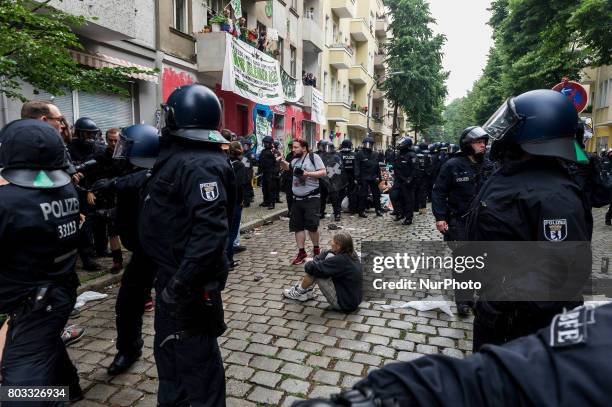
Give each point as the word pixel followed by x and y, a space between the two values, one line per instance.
pixel 172 79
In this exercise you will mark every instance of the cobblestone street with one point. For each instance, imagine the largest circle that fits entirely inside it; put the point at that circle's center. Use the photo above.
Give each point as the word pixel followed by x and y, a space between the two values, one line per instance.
pixel 276 350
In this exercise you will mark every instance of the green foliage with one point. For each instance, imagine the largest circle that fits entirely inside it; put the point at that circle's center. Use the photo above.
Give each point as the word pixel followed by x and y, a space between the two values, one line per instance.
pixel 34 48
pixel 416 52
pixel 537 42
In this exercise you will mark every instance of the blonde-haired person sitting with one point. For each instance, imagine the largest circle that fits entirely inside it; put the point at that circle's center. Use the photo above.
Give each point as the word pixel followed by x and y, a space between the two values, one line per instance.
pixel 337 273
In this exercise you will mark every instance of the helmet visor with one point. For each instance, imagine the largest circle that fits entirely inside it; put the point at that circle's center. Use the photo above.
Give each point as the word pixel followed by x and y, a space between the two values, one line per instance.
pixel 122 148
pixel 368 145
pixel 329 148
pixel 502 121
pixel 477 133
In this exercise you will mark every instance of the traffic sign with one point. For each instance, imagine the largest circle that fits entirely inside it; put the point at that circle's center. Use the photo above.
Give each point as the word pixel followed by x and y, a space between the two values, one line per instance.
pixel 574 92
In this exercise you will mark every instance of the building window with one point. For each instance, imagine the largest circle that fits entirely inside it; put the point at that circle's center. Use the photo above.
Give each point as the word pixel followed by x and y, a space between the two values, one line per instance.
pixel 327 30
pixel 281 51
pixel 604 91
pixel 180 15
pixel 325 95
pixel 293 57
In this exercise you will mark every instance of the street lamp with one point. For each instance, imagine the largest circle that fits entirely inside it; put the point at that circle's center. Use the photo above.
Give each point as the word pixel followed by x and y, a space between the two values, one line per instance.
pixel 376 83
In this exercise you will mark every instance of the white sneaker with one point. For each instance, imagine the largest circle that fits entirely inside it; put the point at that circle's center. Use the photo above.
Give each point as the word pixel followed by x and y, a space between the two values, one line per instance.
pixel 299 294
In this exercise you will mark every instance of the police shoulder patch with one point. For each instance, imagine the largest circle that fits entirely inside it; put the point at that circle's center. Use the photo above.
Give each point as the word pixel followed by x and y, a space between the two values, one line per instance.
pixel 209 191
pixel 570 327
pixel 555 230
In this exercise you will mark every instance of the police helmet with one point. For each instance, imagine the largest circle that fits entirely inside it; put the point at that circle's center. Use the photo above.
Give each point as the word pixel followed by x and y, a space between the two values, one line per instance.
pixel 542 122
pixel 424 146
pixel 329 147
pixel 453 148
pixel 405 144
pixel 267 141
pixel 346 144
pixel 470 135
pixel 276 143
pixel 193 112
pixel 86 128
pixel 139 144
pixel 444 146
pixel 247 142
pixel 417 149
pixel 33 155
pixel 368 143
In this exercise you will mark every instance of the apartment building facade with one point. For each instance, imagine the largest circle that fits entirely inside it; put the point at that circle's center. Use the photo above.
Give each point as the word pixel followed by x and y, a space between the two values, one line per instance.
pixel 598 81
pixel 122 34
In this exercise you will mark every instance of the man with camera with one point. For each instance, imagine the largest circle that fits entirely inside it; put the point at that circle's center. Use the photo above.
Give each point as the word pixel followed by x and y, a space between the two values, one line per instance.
pixel 306 168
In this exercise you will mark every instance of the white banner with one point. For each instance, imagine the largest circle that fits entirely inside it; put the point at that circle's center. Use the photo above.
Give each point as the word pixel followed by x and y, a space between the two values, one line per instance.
pixel 293 88
pixel 251 74
pixel 317 110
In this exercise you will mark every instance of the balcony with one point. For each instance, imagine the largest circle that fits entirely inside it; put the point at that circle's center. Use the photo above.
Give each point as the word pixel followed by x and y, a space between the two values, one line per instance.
pixel 359 30
pixel 358 75
pixel 312 35
pixel 338 112
pixel 358 120
pixel 340 56
pixel 377 94
pixel 379 60
pixel 381 28
pixel 207 45
pixel 343 8
pixel 115 19
pixel 376 125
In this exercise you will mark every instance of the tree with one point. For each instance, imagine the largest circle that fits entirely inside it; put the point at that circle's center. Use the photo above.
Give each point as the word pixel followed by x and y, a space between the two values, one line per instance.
pixel 36 39
pixel 416 53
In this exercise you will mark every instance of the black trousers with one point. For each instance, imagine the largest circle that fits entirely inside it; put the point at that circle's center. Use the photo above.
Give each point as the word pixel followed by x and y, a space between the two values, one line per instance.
pixel 420 194
pixel 268 187
pixel 136 285
pixel 406 195
pixel 609 213
pixel 457 233
pixel 364 186
pixel 34 354
pixel 86 242
pixel 189 367
pixel 350 191
pixel 334 199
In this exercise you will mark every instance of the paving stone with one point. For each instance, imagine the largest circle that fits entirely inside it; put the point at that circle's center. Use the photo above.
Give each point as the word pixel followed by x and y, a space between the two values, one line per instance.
pixel 239 372
pixel 376 321
pixel 402 345
pixel 239 358
pixel 393 333
pixel 349 367
pixel 440 341
pixel 286 343
pixel 367 359
pixel 126 397
pixel 261 349
pixel 426 349
pixel 348 381
pixel 267 396
pixel 149 400
pixel 309 347
pixel 320 361
pixel 266 378
pixel 289 400
pixel 295 386
pixel 383 351
pixel 452 333
pixel 357 346
pixel 100 392
pixel 126 379
pixel 292 355
pixel 262 338
pixel 265 363
pixel 148 386
pixel 296 370
pixel 234 402
pixel 454 352
pixel 235 344
pixel 326 377
pixel 407 356
pixel 337 353
pixel 375 339
pixel 323 391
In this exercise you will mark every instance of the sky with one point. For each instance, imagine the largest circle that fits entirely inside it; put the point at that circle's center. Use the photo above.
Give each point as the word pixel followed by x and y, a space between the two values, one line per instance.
pixel 468 39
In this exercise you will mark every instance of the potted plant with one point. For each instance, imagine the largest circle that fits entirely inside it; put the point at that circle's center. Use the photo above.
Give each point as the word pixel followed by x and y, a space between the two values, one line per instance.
pixel 216 21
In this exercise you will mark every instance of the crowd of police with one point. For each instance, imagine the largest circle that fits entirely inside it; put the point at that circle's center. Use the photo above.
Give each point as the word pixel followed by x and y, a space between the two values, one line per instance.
pixel 171 196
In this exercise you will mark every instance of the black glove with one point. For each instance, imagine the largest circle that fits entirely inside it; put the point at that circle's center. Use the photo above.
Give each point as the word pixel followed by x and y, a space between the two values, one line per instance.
pixel 361 396
pixel 104 183
pixel 175 297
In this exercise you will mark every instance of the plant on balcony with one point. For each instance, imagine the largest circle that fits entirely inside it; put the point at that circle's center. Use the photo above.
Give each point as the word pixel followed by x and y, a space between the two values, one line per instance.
pixel 217 21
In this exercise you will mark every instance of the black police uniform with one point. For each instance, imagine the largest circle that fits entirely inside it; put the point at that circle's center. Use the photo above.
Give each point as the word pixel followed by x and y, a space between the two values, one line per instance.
pixel 269 171
pixel 566 364
pixel 606 177
pixel 390 156
pixel 421 180
pixel 367 173
pixel 286 182
pixel 404 169
pixel 249 161
pixel 39 229
pixel 332 184
pixel 514 205
pixel 457 184
pixel 184 229
pixel 348 165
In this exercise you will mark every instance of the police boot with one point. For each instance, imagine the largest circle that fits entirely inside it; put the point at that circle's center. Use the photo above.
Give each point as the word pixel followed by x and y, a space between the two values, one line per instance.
pixel 122 362
pixel 609 219
pixel 337 217
pixel 362 215
pixel 398 217
pixel 407 222
pixel 379 212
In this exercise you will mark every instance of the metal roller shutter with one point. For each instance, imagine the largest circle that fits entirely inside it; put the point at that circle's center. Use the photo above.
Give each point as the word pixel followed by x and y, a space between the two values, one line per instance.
pixel 106 110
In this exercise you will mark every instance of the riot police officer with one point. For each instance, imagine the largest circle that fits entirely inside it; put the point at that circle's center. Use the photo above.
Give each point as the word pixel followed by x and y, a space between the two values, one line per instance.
pixel 606 176
pixel 138 148
pixel 333 181
pixel 278 156
pixel 348 173
pixel 86 150
pixel 184 227
pixel 531 197
pixel 402 193
pixel 39 226
pixel 249 161
pixel 367 173
pixel 423 175
pixel 535 370
pixel 268 166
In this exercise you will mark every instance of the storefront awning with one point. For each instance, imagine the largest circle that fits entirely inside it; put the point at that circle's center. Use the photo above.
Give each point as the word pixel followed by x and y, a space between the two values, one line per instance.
pixel 99 60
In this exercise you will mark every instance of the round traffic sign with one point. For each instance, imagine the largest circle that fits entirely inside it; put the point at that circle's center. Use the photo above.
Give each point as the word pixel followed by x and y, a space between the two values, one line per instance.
pixel 574 92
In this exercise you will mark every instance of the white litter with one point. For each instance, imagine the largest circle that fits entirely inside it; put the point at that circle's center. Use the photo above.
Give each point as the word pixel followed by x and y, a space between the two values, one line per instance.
pixel 427 304
pixel 273 252
pixel 88 296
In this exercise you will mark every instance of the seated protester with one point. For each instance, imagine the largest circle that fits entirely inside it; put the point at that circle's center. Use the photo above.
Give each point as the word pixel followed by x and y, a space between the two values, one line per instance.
pixel 338 274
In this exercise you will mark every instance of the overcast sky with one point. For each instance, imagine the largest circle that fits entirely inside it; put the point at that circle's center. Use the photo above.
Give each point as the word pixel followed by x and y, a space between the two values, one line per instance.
pixel 468 39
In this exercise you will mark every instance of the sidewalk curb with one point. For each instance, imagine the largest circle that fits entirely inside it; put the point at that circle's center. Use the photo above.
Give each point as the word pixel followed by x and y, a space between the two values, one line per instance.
pixel 100 283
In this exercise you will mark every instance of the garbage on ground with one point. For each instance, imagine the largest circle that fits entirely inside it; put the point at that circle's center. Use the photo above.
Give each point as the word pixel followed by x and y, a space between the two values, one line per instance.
pixel 427 304
pixel 333 226
pixel 88 296
pixel 258 276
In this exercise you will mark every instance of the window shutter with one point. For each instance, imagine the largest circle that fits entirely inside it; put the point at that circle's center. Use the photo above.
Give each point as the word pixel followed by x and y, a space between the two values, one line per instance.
pixel 106 110
pixel 63 103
